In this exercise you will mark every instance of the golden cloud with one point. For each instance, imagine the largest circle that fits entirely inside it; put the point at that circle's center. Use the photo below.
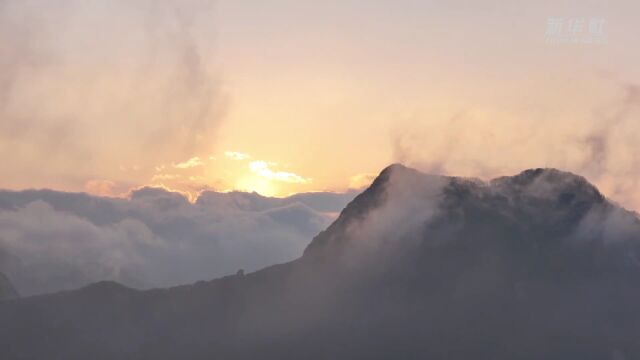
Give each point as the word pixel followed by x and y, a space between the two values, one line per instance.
pixel 234 155
pixel 191 163
pixel 261 168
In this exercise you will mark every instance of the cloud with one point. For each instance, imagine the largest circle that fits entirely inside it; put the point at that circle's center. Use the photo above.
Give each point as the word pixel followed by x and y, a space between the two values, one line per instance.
pixel 53 240
pixel 57 250
pixel 101 187
pixel 261 168
pixel 158 177
pixel 601 145
pixel 191 163
pixel 407 201
pixel 78 77
pixel 236 155
pixel 361 181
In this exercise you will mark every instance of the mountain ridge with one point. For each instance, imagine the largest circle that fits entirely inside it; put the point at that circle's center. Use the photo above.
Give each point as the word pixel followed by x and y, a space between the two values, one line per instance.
pixel 416 266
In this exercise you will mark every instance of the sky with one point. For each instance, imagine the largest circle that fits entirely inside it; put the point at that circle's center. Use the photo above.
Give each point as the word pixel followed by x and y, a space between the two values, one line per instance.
pixel 287 96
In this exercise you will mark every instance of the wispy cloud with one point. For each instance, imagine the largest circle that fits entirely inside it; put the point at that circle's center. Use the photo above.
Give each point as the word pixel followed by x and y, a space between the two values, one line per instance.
pixel 154 95
pixel 165 177
pixel 360 181
pixel 101 187
pixel 191 163
pixel 261 168
pixel 234 155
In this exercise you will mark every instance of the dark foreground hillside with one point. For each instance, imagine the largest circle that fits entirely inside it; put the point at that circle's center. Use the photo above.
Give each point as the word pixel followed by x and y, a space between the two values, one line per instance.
pixel 535 266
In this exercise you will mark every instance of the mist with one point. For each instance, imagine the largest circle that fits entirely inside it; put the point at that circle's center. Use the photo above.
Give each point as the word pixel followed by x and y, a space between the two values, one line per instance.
pixel 78 77
pixel 445 267
pixel 599 144
pixel 52 241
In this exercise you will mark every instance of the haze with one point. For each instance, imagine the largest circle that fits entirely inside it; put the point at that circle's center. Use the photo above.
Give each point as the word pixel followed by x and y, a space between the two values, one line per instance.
pixel 289 96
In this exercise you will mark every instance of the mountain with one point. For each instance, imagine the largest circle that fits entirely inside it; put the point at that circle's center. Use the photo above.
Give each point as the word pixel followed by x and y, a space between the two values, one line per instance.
pixel 535 266
pixel 7 291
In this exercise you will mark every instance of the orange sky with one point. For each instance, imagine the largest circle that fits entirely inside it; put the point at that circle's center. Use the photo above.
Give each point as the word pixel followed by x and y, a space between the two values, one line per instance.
pixel 287 96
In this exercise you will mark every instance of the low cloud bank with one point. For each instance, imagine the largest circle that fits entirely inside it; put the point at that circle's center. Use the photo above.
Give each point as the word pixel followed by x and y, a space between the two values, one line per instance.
pixel 51 240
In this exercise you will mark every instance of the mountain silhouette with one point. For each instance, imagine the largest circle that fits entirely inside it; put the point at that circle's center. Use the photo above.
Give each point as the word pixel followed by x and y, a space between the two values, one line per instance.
pixel 534 266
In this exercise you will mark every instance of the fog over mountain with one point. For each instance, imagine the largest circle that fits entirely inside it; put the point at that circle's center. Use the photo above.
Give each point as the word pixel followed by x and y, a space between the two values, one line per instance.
pixel 539 265
pixel 7 291
pixel 51 241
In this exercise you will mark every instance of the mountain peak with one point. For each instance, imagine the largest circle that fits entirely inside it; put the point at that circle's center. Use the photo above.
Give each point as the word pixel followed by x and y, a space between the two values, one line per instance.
pixel 541 199
pixel 417 265
pixel 395 167
pixel 548 183
pixel 552 175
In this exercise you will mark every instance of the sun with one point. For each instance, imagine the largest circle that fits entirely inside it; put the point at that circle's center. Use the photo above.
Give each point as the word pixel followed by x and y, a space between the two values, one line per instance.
pixel 262 186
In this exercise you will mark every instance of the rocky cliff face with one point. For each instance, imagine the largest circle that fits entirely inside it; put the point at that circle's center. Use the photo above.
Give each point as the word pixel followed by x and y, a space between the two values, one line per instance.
pixel 534 266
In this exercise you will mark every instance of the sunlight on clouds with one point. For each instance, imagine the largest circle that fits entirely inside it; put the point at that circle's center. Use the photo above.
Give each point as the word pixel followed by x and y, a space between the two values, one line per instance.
pixel 191 163
pixel 261 168
pixel 261 186
pixel 231 171
pixel 165 177
pixel 360 181
pixel 234 155
pixel 261 178
pixel 101 188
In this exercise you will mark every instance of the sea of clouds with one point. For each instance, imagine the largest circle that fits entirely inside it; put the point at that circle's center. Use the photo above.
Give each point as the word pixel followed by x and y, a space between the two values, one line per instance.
pixel 52 241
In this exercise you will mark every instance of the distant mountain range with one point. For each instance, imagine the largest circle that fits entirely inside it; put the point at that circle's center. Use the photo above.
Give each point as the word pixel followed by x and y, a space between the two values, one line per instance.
pixel 535 266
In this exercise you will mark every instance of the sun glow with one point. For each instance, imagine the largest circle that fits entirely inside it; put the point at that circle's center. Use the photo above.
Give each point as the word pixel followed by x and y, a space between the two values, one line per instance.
pixel 254 183
pixel 221 171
